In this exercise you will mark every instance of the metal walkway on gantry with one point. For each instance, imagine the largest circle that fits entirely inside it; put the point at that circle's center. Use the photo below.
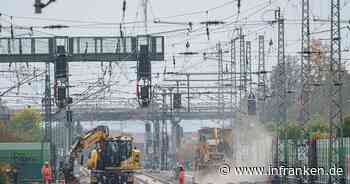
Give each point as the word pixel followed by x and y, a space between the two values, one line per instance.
pixel 79 49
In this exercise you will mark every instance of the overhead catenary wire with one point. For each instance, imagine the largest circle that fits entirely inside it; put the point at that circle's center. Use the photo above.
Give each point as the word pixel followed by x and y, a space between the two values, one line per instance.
pixel 224 29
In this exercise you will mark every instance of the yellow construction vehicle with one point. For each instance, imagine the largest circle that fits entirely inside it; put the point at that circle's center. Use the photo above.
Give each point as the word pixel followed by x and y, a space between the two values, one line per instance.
pixel 112 160
pixel 213 147
pixel 4 176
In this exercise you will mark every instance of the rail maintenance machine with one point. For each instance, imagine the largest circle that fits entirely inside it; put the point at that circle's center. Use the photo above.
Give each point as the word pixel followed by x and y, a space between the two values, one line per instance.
pixel 111 161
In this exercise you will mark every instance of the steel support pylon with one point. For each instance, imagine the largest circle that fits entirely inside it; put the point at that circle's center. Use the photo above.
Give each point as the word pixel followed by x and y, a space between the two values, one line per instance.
pixel 164 132
pixel 221 97
pixel 281 67
pixel 305 64
pixel 249 75
pixel 233 74
pixel 233 92
pixel 261 78
pixel 48 138
pixel 281 93
pixel 156 144
pixel 336 155
pixel 148 144
pixel 242 67
pixel 303 147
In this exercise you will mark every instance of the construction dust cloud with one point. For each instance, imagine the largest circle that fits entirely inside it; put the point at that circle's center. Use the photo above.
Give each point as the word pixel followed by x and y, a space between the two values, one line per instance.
pixel 252 148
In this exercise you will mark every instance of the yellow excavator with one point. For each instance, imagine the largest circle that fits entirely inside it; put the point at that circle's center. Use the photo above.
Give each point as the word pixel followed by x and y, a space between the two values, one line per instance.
pixel 112 160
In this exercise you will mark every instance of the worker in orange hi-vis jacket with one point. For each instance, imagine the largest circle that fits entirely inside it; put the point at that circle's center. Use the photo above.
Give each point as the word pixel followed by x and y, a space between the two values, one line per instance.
pixel 46 173
pixel 182 175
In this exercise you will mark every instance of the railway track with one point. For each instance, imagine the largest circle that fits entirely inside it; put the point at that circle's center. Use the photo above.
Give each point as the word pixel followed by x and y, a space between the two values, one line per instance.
pixel 157 178
pixel 147 178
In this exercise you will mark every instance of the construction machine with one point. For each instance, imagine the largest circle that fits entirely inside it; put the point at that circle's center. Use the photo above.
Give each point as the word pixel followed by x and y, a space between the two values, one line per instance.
pixel 215 145
pixel 112 159
pixel 8 174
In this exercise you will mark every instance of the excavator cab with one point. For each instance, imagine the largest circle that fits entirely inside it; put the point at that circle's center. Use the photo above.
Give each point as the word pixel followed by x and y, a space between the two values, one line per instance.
pixel 116 151
pixel 120 154
pixel 112 160
pixel 118 160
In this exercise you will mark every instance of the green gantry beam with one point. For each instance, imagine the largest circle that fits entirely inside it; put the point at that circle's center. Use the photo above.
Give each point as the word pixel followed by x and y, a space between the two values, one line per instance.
pixel 79 49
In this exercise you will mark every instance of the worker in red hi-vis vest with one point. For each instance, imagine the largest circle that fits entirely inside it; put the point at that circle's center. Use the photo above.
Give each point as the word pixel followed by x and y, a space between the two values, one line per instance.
pixel 182 175
pixel 46 173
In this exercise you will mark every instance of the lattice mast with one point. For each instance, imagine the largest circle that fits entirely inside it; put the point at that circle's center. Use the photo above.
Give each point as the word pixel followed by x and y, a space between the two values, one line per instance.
pixel 261 77
pixel 242 67
pixel 281 91
pixel 304 115
pixel 305 64
pixel 249 75
pixel 336 158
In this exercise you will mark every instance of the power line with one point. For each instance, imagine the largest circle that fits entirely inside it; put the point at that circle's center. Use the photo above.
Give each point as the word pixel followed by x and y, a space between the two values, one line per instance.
pixel 197 12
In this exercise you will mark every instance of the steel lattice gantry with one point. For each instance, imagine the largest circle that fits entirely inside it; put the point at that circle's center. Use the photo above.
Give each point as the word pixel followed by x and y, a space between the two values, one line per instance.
pixel 336 155
pixel 305 63
pixel 242 65
pixel 63 49
pixel 281 94
pixel 262 77
pixel 306 147
pixel 79 49
pixel 282 91
pixel 249 77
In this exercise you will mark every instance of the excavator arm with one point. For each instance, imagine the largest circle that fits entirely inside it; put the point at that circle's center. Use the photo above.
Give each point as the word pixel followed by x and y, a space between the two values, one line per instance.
pixel 85 141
